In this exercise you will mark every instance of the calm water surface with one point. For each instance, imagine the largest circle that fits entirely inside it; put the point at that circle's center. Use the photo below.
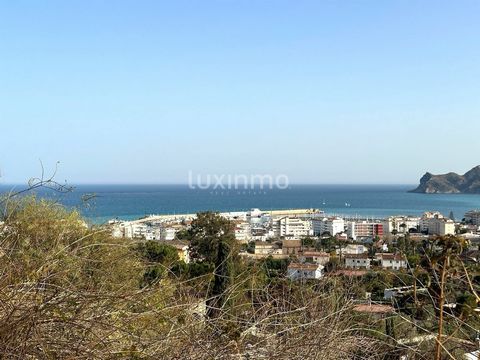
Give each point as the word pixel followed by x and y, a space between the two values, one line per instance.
pixel 134 201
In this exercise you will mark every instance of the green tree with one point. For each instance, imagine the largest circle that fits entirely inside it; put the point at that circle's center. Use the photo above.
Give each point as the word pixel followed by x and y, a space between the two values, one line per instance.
pixel 327 243
pixel 155 252
pixel 275 267
pixel 250 247
pixel 308 242
pixel 466 305
pixel 221 280
pixel 207 232
pixel 159 258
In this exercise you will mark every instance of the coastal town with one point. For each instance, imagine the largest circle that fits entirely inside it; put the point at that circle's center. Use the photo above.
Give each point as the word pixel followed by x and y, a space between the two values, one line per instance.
pixel 382 265
pixel 311 239
pixel 239 180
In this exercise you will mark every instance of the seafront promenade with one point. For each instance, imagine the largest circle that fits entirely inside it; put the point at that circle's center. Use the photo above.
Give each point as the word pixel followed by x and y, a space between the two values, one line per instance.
pixel 230 214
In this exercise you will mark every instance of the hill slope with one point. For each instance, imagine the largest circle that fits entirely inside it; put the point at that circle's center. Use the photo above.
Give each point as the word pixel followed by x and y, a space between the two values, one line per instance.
pixel 450 183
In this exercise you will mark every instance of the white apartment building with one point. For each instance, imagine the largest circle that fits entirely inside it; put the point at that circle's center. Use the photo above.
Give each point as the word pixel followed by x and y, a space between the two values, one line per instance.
pixel 434 223
pixel 473 217
pixel 256 217
pixel 147 231
pixel 167 233
pixel 261 233
pixel 297 271
pixel 243 232
pixel 331 225
pixel 292 227
pixel 401 224
pixel 141 231
pixel 364 229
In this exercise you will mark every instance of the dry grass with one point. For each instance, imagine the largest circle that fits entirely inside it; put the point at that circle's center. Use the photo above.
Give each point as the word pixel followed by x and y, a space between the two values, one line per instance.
pixel 67 292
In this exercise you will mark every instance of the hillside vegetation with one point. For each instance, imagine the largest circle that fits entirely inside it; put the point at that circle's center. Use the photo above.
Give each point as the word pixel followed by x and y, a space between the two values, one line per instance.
pixel 72 292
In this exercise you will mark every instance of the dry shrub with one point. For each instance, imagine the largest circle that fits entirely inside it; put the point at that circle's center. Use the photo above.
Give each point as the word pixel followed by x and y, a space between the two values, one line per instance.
pixel 67 292
pixel 70 292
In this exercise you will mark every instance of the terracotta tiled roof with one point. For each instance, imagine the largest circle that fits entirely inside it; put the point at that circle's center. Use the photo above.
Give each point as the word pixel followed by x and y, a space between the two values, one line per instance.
pixel 396 257
pixel 315 253
pixel 297 266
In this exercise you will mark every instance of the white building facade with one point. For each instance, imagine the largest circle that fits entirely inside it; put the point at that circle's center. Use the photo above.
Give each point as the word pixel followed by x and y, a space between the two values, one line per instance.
pixel 305 271
pixel 400 224
pixel 243 232
pixel 331 225
pixel 392 261
pixel 434 223
pixel 292 227
pixel 357 261
pixel 473 217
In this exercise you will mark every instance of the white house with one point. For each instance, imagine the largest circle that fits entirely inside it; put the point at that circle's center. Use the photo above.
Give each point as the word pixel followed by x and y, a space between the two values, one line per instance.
pixel 392 261
pixel 297 271
pixel 357 261
pixel 352 249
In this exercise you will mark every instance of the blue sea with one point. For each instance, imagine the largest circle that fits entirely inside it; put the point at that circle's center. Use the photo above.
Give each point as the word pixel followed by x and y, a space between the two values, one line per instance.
pixel 134 201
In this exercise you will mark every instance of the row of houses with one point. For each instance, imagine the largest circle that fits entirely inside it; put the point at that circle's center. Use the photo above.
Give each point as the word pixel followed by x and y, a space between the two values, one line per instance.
pixel 311 264
pixel 294 247
pixel 384 260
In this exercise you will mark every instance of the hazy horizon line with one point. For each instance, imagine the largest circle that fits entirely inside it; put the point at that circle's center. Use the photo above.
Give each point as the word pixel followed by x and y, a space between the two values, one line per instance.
pixel 186 184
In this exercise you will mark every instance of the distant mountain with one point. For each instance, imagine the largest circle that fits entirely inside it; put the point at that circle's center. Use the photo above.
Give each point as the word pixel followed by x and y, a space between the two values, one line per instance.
pixel 450 183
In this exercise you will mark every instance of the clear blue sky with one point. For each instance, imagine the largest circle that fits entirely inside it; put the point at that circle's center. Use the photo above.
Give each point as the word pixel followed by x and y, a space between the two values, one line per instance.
pixel 322 91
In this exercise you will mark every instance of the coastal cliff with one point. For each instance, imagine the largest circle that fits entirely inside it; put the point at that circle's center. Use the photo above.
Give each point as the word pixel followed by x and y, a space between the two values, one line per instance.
pixel 450 183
